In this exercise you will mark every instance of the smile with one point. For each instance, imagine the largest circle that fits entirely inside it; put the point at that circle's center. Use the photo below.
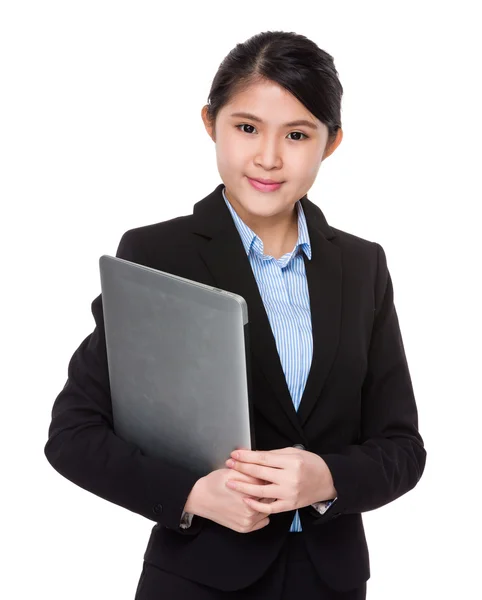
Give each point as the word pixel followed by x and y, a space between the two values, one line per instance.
pixel 264 187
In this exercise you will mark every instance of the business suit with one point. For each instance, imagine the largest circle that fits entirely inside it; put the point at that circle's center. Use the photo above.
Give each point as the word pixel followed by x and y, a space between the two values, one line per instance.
pixel 357 412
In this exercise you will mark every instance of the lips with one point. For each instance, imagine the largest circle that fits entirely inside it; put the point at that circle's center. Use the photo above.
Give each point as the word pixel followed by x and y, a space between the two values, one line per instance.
pixel 264 187
pixel 265 181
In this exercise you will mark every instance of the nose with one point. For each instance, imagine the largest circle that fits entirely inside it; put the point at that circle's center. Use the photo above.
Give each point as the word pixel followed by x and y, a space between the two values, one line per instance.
pixel 268 156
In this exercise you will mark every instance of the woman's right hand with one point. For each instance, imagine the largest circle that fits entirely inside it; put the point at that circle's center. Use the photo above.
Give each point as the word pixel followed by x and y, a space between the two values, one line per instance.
pixel 211 499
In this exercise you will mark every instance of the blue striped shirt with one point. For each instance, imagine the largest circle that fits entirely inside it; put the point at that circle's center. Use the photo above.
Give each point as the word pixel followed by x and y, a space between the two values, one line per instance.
pixel 283 288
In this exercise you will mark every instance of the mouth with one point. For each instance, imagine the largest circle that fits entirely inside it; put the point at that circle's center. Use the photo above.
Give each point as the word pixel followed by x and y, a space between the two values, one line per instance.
pixel 266 181
pixel 265 185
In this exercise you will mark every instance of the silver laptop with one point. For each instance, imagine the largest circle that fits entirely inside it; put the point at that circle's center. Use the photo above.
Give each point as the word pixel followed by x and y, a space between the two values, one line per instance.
pixel 178 360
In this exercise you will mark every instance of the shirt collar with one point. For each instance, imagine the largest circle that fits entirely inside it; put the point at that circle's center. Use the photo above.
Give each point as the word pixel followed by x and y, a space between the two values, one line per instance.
pixel 252 242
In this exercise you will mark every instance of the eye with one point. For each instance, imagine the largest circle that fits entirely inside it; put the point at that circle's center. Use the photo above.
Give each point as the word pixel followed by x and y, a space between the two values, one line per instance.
pixel 298 133
pixel 244 125
pixel 293 132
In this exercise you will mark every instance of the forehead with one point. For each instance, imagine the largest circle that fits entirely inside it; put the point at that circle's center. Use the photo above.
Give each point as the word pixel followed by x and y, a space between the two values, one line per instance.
pixel 269 101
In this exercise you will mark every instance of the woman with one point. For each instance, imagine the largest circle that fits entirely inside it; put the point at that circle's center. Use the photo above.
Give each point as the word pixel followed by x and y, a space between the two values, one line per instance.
pixel 335 415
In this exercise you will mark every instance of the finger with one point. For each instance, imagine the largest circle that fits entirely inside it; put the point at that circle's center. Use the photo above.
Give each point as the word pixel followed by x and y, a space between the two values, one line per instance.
pixel 233 474
pixel 261 523
pixel 287 450
pixel 258 491
pixel 248 479
pixel 270 474
pixel 269 458
pixel 266 500
pixel 268 509
pixel 236 475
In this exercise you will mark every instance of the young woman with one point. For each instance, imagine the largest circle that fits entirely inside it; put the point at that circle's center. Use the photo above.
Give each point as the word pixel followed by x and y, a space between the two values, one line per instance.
pixel 335 416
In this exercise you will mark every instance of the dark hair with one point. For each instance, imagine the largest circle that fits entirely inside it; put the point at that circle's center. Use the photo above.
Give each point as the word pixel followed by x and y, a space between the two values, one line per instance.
pixel 290 60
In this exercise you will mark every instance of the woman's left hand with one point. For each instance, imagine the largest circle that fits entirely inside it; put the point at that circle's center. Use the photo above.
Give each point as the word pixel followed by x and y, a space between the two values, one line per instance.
pixel 294 477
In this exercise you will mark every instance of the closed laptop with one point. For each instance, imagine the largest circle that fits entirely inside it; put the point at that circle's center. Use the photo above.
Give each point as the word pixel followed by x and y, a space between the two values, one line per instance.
pixel 178 360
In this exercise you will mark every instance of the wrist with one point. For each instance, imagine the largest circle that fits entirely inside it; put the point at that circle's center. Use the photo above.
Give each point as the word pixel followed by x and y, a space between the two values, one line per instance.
pixel 329 490
pixel 332 493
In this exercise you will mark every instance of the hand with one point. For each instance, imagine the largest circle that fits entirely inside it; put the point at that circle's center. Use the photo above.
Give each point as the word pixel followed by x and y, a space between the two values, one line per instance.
pixel 296 478
pixel 210 498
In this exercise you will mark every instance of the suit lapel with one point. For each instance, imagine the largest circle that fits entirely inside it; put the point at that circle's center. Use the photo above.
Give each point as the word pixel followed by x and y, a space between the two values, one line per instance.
pixel 324 275
pixel 226 259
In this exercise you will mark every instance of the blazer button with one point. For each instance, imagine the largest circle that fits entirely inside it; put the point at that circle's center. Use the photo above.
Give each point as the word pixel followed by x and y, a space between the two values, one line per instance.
pixel 300 446
pixel 157 509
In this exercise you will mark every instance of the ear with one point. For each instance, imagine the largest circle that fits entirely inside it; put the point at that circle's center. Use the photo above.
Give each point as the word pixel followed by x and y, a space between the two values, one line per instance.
pixel 208 124
pixel 334 144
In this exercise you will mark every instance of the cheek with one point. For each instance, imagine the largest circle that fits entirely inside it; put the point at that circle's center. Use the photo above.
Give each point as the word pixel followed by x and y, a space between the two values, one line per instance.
pixel 230 152
pixel 307 164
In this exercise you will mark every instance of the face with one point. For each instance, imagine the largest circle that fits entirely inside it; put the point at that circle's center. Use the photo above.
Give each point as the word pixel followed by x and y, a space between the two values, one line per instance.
pixel 269 144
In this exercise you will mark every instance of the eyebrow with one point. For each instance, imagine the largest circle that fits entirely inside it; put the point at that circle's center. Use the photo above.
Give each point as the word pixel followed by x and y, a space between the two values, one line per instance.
pixel 299 122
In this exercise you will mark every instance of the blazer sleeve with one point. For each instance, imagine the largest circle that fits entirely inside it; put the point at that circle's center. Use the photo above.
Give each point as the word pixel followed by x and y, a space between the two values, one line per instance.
pixel 83 447
pixel 390 458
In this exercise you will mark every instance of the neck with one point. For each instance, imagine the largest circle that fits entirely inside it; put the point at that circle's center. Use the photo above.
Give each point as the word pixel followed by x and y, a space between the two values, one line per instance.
pixel 279 233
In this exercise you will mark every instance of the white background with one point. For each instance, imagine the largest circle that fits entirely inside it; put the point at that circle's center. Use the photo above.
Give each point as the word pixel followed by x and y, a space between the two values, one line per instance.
pixel 100 132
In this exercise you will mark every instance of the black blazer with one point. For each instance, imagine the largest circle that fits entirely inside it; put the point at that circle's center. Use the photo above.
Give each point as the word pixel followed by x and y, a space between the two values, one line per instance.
pixel 357 412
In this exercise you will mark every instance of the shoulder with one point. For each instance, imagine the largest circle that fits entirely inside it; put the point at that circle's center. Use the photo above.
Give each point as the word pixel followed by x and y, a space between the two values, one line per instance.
pixel 362 259
pixel 156 231
pixel 140 243
pixel 354 246
pixel 350 240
